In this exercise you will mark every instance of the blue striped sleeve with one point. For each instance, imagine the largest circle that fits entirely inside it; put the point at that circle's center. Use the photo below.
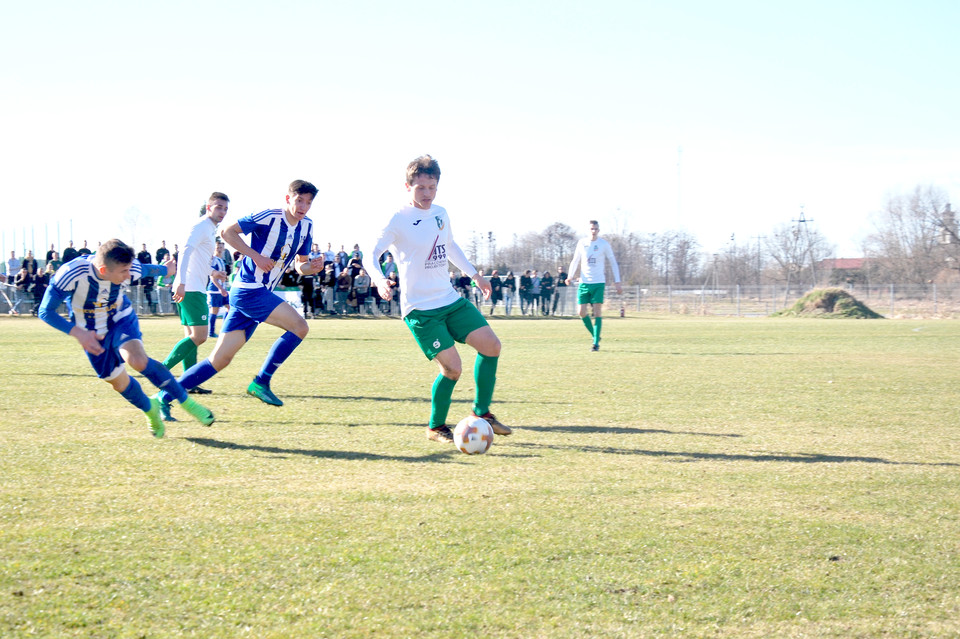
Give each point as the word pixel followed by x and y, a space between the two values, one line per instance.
pixel 52 299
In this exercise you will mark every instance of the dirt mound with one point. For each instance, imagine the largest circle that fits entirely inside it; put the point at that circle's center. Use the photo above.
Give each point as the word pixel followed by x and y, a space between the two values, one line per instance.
pixel 829 303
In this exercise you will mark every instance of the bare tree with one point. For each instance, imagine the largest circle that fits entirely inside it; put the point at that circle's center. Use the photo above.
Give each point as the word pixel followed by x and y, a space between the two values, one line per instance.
pixel 908 240
pixel 795 250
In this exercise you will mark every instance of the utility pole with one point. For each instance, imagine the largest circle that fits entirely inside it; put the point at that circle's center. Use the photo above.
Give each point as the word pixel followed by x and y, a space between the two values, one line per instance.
pixel 806 230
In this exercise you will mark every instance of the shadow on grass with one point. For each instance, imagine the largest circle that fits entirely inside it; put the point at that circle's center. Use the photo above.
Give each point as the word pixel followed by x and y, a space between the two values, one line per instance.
pixel 448 455
pixel 802 458
pixel 622 430
pixel 421 399
pixel 700 354
pixel 90 375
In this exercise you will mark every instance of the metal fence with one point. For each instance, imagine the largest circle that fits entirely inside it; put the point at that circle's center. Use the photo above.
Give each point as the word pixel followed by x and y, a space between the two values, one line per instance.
pixel 891 300
pixel 157 302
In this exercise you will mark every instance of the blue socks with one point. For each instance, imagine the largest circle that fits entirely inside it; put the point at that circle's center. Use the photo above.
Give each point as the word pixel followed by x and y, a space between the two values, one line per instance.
pixel 196 375
pixel 279 352
pixel 135 395
pixel 162 378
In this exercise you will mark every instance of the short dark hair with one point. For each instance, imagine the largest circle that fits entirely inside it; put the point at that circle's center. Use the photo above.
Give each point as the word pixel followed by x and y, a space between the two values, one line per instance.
pixel 216 195
pixel 592 222
pixel 302 187
pixel 114 251
pixel 424 165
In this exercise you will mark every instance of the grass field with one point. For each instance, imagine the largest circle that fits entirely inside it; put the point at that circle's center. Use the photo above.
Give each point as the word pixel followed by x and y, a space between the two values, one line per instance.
pixel 695 478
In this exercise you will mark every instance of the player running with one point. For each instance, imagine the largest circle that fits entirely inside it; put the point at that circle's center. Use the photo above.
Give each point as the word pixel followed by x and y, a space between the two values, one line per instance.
pixel 103 321
pixel 189 286
pixel 420 238
pixel 278 237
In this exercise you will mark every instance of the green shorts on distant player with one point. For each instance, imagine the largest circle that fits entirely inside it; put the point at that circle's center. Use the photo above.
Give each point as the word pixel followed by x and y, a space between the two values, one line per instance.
pixel 590 293
pixel 437 329
pixel 193 309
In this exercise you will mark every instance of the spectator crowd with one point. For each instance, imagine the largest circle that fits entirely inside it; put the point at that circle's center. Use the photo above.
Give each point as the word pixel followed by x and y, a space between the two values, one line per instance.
pixel 343 288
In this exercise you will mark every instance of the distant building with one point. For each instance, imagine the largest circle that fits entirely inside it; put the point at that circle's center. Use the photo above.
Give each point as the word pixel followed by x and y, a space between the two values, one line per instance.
pixel 847 271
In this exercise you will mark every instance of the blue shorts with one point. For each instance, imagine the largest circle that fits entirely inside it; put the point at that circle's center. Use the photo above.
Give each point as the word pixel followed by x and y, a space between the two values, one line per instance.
pixel 249 307
pixel 109 363
pixel 217 300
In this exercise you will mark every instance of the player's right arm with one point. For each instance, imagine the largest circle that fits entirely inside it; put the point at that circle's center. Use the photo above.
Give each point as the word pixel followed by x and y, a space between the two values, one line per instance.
pixel 371 261
pixel 231 235
pixel 52 299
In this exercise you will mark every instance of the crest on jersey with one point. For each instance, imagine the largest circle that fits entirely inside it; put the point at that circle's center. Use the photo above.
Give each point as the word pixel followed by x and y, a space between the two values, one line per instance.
pixel 439 220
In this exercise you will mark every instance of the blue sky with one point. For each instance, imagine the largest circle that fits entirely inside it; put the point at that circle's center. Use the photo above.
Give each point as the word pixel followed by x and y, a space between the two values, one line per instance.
pixel 718 118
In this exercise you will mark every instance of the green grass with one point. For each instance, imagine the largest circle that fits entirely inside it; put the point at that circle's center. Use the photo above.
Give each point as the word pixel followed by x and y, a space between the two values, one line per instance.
pixel 697 477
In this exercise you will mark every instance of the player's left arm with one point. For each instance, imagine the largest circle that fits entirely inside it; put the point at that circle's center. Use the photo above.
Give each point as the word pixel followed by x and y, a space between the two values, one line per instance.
pixel 169 267
pixel 306 266
pixel 615 268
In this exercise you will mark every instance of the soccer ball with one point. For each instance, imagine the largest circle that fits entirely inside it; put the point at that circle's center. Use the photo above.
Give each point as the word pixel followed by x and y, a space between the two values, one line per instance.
pixel 473 435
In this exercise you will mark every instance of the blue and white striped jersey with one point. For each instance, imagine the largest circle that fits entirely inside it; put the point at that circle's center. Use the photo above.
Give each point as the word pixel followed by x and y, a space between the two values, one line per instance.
pixel 272 237
pixel 216 264
pixel 96 304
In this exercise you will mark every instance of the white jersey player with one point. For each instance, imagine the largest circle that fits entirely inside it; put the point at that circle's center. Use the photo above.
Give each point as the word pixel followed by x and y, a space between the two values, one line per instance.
pixel 591 256
pixel 420 239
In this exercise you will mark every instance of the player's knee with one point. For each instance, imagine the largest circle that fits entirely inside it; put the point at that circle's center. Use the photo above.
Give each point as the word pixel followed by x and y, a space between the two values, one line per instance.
pixel 451 372
pixel 301 330
pixel 492 347
pixel 220 360
pixel 138 361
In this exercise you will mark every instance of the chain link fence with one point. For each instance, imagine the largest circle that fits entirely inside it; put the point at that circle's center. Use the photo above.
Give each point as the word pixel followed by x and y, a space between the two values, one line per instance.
pixel 892 300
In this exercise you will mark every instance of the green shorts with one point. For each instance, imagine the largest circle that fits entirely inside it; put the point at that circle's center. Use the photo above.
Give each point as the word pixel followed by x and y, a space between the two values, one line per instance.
pixel 437 329
pixel 590 293
pixel 193 309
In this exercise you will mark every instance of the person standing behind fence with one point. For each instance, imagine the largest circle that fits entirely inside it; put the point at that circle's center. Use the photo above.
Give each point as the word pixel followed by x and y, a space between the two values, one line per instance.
pixel 327 280
pixel 534 293
pixel 463 285
pixel 546 292
pixel 31 263
pixel 24 283
pixel 590 257
pixel 496 290
pixel 341 291
pixel 509 292
pixel 13 265
pixel 524 292
pixel 40 284
pixel 560 292
pixel 361 284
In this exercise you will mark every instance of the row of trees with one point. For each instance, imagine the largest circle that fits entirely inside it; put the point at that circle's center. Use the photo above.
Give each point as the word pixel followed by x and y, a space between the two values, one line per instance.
pixel 914 241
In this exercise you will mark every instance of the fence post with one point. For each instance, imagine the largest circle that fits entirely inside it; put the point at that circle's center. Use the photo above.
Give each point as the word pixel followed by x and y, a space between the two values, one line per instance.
pixel 934 299
pixel 638 298
pixel 738 300
pixel 891 300
pixel 669 299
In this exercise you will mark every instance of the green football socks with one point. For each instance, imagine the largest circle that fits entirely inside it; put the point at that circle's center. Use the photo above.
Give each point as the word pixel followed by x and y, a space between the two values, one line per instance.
pixel 588 323
pixel 597 324
pixel 485 376
pixel 185 348
pixel 440 400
